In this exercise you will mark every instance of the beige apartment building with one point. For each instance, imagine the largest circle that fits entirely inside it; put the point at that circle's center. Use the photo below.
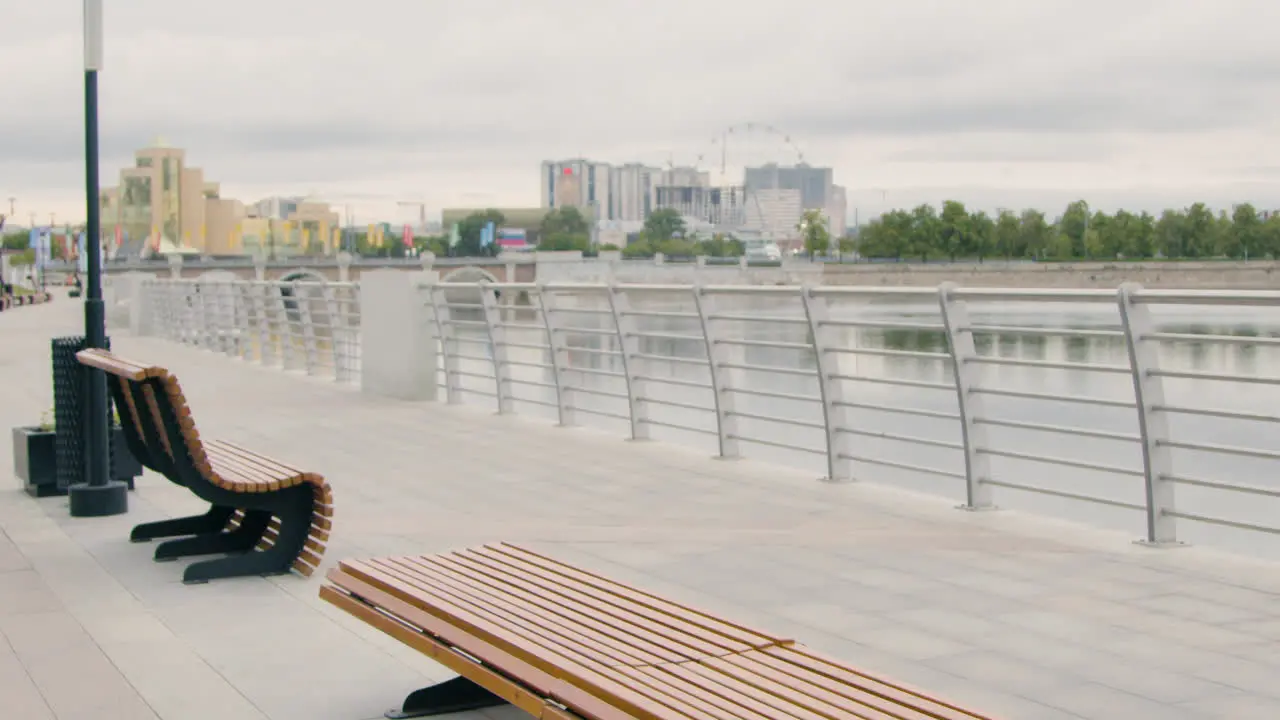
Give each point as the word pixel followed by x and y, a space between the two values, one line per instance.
pixel 163 205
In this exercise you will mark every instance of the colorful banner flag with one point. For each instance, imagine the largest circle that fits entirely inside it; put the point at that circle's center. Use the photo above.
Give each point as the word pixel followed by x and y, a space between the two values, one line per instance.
pixel 408 236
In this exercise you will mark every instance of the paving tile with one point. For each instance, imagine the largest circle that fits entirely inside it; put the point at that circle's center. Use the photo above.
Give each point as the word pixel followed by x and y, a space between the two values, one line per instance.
pixel 1020 616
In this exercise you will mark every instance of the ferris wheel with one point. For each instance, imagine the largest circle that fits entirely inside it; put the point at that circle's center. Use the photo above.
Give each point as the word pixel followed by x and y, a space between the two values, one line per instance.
pixel 737 147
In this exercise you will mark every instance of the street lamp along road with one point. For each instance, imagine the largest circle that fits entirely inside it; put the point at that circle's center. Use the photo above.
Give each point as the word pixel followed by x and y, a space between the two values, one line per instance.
pixel 98 495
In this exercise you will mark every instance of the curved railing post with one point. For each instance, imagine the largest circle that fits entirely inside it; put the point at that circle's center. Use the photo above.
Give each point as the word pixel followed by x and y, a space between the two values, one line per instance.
pixel 288 351
pixel 559 355
pixel 977 466
pixel 497 347
pixel 629 346
pixel 244 320
pixel 310 348
pixel 721 389
pixel 830 389
pixel 448 356
pixel 266 345
pixel 1153 426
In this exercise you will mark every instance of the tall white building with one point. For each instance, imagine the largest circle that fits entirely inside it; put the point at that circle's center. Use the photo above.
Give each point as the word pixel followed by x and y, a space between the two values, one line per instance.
pixel 584 184
pixel 631 187
pixel 837 212
pixel 774 212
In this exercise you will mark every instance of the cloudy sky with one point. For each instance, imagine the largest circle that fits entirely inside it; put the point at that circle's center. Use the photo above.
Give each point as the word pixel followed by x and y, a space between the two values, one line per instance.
pixel 1136 103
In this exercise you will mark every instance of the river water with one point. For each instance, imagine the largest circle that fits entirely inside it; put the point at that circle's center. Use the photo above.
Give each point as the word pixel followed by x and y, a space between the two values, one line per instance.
pixel 787 430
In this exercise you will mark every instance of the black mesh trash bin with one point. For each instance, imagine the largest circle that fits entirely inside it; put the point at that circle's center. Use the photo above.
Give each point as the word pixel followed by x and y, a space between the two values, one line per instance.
pixel 70 414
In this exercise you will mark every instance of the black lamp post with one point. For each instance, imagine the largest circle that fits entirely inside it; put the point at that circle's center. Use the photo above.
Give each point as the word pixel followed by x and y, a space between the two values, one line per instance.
pixel 98 495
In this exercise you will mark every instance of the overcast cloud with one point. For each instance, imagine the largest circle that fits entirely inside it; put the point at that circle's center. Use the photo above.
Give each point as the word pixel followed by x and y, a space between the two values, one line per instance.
pixel 1000 103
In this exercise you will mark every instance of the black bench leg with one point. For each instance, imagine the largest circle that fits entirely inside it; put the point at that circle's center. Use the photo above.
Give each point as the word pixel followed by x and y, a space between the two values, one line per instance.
pixel 213 521
pixel 295 525
pixel 451 696
pixel 240 540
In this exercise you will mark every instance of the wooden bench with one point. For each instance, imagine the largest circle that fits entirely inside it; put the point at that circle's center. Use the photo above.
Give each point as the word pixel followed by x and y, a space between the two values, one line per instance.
pixel 273 517
pixel 560 642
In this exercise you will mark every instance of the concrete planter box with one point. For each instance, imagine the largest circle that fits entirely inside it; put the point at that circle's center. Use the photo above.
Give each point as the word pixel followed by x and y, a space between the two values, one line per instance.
pixel 35 461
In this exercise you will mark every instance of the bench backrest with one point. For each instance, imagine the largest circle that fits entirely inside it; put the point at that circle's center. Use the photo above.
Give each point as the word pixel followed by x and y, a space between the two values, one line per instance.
pixel 157 422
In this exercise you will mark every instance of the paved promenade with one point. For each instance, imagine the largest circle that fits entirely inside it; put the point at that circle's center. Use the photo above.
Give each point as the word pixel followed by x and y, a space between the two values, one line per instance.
pixel 1016 615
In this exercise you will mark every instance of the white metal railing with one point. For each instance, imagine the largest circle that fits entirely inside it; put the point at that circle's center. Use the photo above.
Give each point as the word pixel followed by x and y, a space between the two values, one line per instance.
pixel 1093 404
pixel 313 327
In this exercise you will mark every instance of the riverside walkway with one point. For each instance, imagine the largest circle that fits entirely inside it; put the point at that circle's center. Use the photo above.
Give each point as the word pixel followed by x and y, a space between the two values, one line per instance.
pixel 1017 615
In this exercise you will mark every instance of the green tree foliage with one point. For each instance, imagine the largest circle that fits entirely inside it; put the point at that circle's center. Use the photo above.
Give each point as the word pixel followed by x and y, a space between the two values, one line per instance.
pixel 564 229
pixel 1079 233
pixel 813 228
pixel 16 241
pixel 469 234
pixel 663 224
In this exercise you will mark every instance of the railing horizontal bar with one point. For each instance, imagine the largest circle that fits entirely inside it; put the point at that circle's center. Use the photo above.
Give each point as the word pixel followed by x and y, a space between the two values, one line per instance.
pixel 1255 298
pixel 603 413
pixel 918 412
pixel 1028 395
pixel 593 351
pixel 530 364
pixel 534 401
pixel 1224 523
pixel 1050 365
pixel 666 336
pixel 1063 429
pixel 1223 377
pixel 677 426
pixel 1064 295
pixel 1221 449
pixel 775 419
pixel 1063 494
pixel 1216 412
pixel 776 444
pixel 671 359
pixel 882 352
pixel 1223 339
pixel 1229 487
pixel 586 331
pixel 1065 462
pixel 801 372
pixel 774 394
pixel 519 326
pixel 596 371
pixel 532 383
pixel 525 345
pixel 758 318
pixel 661 314
pixel 901 382
pixel 472 323
pixel 675 381
pixel 467 373
pixel 1040 331
pixel 882 324
pixel 479 358
pixel 881 435
pixel 579 311
pixel 678 404
pixel 600 392
pixel 763 343
pixel 903 466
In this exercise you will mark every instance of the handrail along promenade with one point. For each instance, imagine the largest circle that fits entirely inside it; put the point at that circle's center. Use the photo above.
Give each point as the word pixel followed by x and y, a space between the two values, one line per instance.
pixel 948 388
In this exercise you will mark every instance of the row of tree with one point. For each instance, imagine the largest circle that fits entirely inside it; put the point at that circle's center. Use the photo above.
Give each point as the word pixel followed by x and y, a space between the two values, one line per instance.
pixel 956 233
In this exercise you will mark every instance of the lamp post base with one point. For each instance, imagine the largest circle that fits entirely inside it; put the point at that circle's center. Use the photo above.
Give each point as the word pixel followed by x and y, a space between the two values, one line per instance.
pixel 99 500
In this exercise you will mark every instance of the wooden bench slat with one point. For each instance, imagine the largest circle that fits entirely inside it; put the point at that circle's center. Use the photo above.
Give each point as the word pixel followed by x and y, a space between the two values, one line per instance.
pixel 500 617
pixel 807 660
pixel 113 364
pixel 681 699
pixel 555 676
pixel 812 689
pixel 524 612
pixel 741 699
pixel 635 620
pixel 774 701
pixel 577 578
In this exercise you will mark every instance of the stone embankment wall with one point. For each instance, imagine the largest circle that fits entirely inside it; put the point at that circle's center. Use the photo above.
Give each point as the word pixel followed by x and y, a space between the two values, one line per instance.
pixel 1253 275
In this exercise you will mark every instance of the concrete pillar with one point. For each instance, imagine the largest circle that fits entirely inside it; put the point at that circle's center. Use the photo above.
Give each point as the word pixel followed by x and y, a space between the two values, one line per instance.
pixel 659 259
pixel 428 260
pixel 259 269
pixel 131 304
pixel 175 265
pixel 397 336
pixel 344 266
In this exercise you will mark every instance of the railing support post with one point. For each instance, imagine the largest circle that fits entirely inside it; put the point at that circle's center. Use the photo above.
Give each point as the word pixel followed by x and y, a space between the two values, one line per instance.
pixel 629 346
pixel 497 348
pixel 830 389
pixel 721 389
pixel 337 329
pixel 448 356
pixel 302 297
pixel 266 345
pixel 977 466
pixel 1153 425
pixel 559 355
